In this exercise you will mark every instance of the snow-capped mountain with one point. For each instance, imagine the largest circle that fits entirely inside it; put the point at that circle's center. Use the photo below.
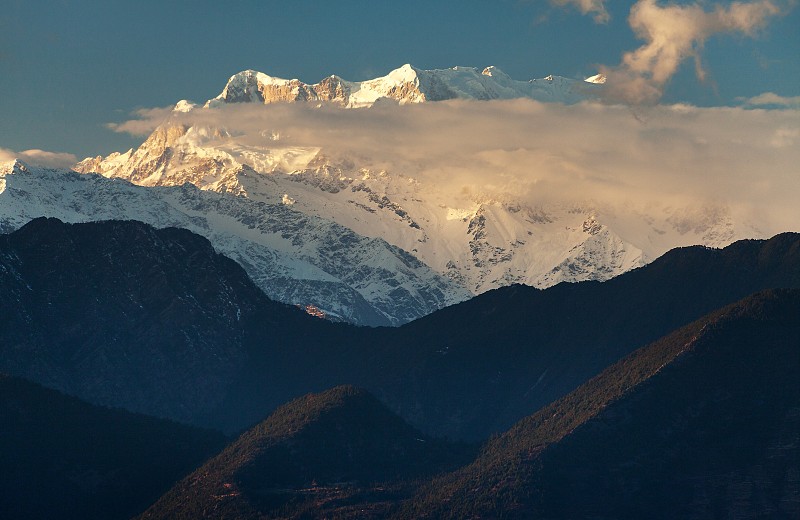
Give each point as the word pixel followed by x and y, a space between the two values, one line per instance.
pixel 478 240
pixel 294 257
pixel 405 85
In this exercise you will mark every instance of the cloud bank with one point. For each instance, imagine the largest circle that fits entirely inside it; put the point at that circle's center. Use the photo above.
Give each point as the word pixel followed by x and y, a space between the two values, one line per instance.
pixel 544 153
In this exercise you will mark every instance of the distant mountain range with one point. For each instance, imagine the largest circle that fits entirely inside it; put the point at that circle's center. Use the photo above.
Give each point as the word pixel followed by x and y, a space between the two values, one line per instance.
pixel 470 242
pixel 567 359
pixel 406 84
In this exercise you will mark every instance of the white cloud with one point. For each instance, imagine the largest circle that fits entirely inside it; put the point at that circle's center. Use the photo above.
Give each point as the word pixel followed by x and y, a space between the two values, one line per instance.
pixel 596 8
pixel 39 158
pixel 147 121
pixel 545 153
pixel 772 99
pixel 673 33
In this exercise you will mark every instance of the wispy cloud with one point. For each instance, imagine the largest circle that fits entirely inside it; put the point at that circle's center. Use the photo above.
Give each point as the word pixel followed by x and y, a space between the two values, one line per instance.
pixel 673 33
pixel 146 121
pixel 771 99
pixel 39 157
pixel 596 8
pixel 543 153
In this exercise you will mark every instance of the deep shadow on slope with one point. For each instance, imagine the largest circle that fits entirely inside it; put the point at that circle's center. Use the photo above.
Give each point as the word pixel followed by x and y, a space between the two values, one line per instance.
pixel 700 424
pixel 475 368
pixel 122 314
pixel 62 458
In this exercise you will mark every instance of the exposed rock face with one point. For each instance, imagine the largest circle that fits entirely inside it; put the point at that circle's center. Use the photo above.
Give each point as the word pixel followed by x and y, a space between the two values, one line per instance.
pixel 333 88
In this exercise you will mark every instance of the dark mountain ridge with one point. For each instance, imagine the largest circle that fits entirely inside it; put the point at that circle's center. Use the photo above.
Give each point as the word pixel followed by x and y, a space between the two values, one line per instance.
pixel 703 423
pixel 62 458
pixel 475 368
pixel 122 314
pixel 340 452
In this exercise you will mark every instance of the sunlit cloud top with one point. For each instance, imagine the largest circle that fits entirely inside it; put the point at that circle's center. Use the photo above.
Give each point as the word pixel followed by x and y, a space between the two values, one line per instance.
pixel 540 153
pixel 39 158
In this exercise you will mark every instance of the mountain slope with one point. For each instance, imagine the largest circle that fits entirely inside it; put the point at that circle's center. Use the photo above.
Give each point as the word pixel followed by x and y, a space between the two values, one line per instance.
pixel 294 258
pixel 315 455
pixel 65 459
pixel 122 314
pixel 111 313
pixel 475 368
pixel 702 423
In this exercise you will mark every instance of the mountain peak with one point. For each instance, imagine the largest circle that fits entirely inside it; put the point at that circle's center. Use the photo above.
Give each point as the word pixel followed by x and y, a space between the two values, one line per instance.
pixel 14 166
pixel 184 106
pixel 406 73
pixel 493 71
pixel 597 79
pixel 251 76
pixel 342 439
pixel 405 84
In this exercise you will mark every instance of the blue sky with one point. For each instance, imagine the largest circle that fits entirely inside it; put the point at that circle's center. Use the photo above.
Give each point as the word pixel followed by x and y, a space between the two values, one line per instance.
pixel 67 68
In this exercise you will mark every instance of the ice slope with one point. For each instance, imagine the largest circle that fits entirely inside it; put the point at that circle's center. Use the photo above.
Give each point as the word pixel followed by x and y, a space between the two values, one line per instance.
pixel 295 258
